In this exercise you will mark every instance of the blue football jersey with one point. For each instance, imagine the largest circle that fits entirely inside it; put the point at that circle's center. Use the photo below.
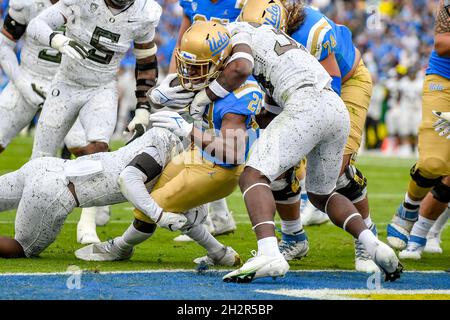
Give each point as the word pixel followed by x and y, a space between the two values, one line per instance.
pixel 223 11
pixel 322 37
pixel 246 101
pixel 439 65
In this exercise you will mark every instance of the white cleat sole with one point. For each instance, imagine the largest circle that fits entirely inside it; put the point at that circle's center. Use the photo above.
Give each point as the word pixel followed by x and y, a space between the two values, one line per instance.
pixel 411 255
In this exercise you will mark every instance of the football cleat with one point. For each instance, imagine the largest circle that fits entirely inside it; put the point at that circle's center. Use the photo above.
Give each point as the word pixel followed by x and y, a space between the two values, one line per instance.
pixel 397 236
pixel 414 248
pixel 102 216
pixel 433 243
pixel 259 267
pixel 363 260
pixel 294 247
pixel 223 223
pixel 386 259
pixel 313 216
pixel 86 232
pixel 104 251
pixel 225 257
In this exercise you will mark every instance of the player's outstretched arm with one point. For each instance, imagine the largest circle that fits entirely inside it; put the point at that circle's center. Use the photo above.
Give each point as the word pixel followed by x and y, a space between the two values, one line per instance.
pixel 13 29
pixel 442 29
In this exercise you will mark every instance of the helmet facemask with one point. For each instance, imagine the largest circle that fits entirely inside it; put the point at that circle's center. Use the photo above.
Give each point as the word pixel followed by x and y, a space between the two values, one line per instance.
pixel 121 3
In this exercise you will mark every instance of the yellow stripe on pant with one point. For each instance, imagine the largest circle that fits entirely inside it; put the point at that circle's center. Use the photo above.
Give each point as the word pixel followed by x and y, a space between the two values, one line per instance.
pixel 356 93
pixel 189 181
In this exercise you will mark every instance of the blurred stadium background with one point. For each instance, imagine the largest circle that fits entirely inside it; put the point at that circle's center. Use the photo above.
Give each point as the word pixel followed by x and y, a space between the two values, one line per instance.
pixel 395 36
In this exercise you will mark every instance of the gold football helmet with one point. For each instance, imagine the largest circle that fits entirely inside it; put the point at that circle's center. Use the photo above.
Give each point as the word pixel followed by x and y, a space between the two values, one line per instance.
pixel 203 50
pixel 271 12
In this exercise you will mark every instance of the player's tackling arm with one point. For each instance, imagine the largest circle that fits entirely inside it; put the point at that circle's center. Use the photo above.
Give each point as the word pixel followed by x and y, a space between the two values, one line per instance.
pixel 442 31
pixel 230 146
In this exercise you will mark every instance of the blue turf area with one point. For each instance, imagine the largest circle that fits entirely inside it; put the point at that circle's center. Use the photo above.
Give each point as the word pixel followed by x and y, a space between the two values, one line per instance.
pixel 191 285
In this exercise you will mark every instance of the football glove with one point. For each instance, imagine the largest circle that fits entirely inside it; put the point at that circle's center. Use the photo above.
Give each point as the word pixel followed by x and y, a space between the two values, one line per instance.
pixel 166 96
pixel 69 47
pixel 443 124
pixel 141 116
pixel 33 94
pixel 198 105
pixel 173 122
pixel 171 221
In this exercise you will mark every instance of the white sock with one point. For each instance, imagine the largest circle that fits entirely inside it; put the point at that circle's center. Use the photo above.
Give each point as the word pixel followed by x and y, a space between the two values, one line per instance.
pixel 303 186
pixel 268 247
pixel 219 208
pixel 368 222
pixel 87 218
pixel 201 235
pixel 370 242
pixel 132 237
pixel 439 224
pixel 292 226
pixel 421 227
pixel 412 202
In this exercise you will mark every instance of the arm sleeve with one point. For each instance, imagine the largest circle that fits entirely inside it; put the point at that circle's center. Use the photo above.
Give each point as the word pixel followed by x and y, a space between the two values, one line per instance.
pixel 41 27
pixel 132 185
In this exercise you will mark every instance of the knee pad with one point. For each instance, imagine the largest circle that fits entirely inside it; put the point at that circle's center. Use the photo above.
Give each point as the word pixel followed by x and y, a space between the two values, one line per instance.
pixel 421 181
pixel 352 184
pixel 441 192
pixel 287 190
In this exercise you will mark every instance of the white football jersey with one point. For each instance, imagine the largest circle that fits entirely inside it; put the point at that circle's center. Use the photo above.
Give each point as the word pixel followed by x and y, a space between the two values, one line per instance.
pixel 106 36
pixel 37 60
pixel 411 93
pixel 281 64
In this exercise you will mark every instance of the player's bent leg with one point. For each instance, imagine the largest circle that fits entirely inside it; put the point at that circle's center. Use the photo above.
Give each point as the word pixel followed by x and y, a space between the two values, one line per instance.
pixel 269 262
pixel 430 210
pixel 343 214
pixel 120 248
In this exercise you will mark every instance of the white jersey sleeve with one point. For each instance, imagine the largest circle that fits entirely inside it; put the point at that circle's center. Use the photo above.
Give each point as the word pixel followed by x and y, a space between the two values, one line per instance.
pixel 151 13
pixel 19 10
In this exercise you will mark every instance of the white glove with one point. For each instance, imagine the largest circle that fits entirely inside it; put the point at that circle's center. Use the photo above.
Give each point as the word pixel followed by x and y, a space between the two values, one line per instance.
pixel 173 122
pixel 172 221
pixel 33 94
pixel 167 96
pixel 443 124
pixel 198 105
pixel 69 47
pixel 141 116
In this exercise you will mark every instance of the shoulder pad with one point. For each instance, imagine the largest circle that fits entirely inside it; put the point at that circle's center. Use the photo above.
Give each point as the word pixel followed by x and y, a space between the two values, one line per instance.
pixel 19 4
pixel 151 11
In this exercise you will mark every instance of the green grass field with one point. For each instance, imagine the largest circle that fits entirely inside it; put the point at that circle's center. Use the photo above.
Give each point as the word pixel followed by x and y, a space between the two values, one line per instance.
pixel 330 247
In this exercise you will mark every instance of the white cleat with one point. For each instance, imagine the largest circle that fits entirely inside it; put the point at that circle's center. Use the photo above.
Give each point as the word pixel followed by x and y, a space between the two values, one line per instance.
pixel 102 216
pixel 433 244
pixel 313 216
pixel 294 250
pixel 386 259
pixel 223 223
pixel 397 236
pixel 105 251
pixel 225 257
pixel 259 267
pixel 363 261
pixel 414 249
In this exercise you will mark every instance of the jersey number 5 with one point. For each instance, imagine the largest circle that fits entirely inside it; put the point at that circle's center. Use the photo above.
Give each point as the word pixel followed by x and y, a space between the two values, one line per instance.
pixel 101 54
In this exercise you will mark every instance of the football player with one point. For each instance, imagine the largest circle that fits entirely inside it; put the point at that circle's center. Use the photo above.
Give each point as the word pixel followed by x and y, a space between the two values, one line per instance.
pixel 434 162
pixel 209 170
pixel 313 123
pixel 223 12
pixel 333 48
pixel 46 190
pixel 98 34
pixel 29 81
